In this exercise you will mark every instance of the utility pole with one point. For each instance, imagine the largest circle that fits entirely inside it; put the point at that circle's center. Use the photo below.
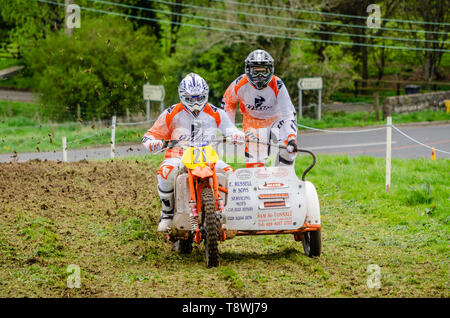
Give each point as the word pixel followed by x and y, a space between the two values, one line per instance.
pixel 388 153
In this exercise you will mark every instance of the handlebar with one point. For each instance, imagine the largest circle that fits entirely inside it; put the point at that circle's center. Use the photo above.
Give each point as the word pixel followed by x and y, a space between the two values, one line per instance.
pixel 168 144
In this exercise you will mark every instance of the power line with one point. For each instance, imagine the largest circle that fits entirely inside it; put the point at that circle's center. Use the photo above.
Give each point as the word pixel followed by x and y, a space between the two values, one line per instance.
pixel 327 13
pixel 263 25
pixel 251 33
pixel 294 19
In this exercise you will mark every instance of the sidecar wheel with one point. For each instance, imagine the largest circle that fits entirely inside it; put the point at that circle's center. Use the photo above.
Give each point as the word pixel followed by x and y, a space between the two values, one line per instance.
pixel 211 225
pixel 312 243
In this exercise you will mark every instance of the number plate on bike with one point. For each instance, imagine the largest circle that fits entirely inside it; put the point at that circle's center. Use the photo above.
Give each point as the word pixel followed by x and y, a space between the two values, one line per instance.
pixel 194 157
pixel 267 198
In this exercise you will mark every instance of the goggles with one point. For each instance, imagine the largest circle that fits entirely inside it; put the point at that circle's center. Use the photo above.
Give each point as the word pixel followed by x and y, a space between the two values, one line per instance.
pixel 195 99
pixel 257 71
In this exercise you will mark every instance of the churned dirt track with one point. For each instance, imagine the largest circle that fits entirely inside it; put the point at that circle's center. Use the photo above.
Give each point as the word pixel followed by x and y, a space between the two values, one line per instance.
pixel 55 213
pixel 58 189
pixel 102 218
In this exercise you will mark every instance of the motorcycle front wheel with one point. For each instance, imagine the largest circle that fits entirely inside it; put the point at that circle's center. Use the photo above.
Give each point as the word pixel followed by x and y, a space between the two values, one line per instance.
pixel 211 226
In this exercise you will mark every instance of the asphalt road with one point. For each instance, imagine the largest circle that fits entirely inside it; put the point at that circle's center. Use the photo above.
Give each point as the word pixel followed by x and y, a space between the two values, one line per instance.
pixel 374 143
pixel 360 143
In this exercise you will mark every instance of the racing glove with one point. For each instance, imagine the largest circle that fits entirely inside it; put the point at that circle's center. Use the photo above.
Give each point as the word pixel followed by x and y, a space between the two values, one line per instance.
pixel 155 145
pixel 292 146
pixel 238 137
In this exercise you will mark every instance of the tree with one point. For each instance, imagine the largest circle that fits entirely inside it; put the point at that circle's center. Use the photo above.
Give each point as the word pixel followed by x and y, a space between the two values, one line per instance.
pixel 431 11
pixel 30 20
pixel 101 68
pixel 388 8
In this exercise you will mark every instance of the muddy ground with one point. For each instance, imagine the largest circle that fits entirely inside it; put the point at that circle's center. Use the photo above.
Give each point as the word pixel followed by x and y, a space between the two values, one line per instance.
pixel 55 213
pixel 101 218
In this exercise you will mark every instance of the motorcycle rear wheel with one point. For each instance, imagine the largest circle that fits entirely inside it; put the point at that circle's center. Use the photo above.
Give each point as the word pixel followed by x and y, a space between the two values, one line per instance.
pixel 211 225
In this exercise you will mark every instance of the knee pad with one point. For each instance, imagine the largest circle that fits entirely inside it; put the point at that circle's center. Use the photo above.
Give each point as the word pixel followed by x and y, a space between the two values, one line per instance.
pixel 167 173
pixel 166 179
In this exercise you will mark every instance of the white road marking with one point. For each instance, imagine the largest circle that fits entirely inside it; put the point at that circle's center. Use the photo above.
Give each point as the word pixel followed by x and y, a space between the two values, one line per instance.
pixel 349 145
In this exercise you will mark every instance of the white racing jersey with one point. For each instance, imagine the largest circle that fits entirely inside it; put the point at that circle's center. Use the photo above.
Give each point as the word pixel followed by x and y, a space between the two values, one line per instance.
pixel 261 108
pixel 176 123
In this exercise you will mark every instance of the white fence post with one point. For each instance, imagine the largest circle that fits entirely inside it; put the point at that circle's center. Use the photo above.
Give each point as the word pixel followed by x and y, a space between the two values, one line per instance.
pixel 319 105
pixel 64 144
pixel 113 137
pixel 388 153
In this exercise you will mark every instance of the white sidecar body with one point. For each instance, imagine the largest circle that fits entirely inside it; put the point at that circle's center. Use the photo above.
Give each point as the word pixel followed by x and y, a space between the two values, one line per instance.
pixel 268 199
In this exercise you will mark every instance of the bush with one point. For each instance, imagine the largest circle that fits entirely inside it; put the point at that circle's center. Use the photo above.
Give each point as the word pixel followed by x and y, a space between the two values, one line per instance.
pixel 101 68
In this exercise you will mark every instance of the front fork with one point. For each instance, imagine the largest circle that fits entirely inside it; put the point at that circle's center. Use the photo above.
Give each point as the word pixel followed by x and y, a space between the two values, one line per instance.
pixel 195 221
pixel 195 204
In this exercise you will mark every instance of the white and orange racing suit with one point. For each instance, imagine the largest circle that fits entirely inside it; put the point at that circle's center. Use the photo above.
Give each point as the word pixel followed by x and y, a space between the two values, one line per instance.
pixel 268 114
pixel 175 123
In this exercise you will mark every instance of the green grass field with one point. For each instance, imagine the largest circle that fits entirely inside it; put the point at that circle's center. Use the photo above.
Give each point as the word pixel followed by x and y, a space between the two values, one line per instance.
pixel 102 217
pixel 341 119
pixel 28 130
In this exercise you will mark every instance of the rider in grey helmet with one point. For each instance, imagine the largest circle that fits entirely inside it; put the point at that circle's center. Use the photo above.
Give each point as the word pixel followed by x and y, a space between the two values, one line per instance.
pixel 259 68
pixel 267 109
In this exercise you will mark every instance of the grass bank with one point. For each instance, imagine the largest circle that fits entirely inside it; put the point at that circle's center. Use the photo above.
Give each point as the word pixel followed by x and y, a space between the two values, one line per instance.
pixel 102 217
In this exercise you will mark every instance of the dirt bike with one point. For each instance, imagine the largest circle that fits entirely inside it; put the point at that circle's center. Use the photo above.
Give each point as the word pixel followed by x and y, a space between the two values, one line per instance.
pixel 213 206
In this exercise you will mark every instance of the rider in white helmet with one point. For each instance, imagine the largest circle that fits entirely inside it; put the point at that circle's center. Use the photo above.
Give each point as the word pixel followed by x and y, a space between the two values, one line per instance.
pixel 193 119
pixel 268 112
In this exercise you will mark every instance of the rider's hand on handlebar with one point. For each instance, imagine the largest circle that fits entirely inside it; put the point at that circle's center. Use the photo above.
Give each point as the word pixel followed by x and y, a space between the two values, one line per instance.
pixel 292 146
pixel 155 145
pixel 238 137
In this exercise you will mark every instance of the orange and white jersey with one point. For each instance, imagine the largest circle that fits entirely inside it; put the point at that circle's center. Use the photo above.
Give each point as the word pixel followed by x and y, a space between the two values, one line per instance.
pixel 267 114
pixel 260 108
pixel 176 123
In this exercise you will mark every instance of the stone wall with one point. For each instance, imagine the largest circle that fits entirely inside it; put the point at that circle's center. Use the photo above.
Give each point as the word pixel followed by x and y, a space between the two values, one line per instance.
pixel 346 107
pixel 414 102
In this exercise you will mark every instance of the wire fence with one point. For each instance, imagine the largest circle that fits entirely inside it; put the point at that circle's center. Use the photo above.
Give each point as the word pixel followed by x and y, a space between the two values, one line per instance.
pixel 110 132
pixel 107 131
pixel 372 130
pixel 76 141
pixel 418 142
pixel 345 131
